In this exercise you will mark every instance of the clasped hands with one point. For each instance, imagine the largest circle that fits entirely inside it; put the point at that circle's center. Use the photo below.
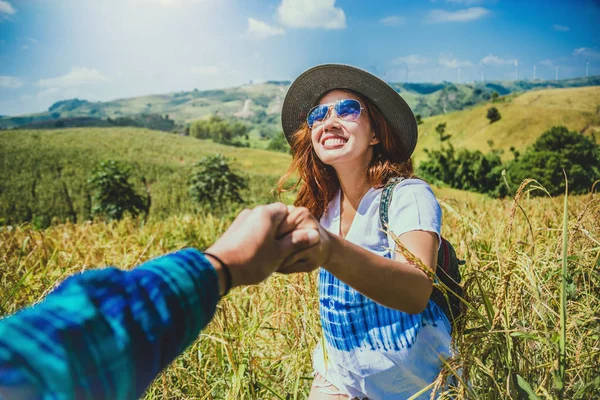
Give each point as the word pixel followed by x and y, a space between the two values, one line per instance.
pixel 271 238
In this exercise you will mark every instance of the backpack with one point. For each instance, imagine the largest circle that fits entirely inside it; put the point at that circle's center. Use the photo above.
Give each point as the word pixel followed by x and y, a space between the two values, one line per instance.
pixel 447 270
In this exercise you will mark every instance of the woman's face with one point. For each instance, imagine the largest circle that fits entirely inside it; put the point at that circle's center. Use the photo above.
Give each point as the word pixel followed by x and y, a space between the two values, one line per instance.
pixel 344 143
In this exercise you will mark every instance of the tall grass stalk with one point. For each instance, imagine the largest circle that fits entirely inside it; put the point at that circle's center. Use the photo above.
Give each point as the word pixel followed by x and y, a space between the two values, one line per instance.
pixel 562 360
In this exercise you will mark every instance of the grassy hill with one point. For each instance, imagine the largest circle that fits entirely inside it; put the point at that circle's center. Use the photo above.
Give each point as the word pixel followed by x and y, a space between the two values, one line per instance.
pixel 46 170
pixel 261 103
pixel 524 118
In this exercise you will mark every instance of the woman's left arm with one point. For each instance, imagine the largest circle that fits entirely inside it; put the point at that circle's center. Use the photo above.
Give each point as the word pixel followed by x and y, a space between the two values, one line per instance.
pixel 393 283
pixel 415 216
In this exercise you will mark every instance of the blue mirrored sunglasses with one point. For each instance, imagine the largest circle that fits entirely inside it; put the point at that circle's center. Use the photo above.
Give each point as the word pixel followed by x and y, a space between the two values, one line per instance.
pixel 346 110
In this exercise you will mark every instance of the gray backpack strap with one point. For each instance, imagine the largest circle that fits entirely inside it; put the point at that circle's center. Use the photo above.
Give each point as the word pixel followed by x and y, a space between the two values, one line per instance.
pixel 385 202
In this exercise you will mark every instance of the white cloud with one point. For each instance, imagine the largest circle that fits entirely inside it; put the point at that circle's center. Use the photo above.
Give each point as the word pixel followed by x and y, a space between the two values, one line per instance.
pixel 219 70
pixel 560 28
pixel 6 9
pixel 50 92
pixel 547 63
pixel 172 2
pixel 495 60
pixel 206 70
pixel 260 30
pixel 10 82
pixel 311 14
pixel 393 20
pixel 465 2
pixel 587 52
pixel 468 14
pixel 27 42
pixel 78 76
pixel 413 59
pixel 447 61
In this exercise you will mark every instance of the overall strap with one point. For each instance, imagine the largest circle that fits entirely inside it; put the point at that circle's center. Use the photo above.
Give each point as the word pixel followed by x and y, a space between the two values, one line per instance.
pixel 386 201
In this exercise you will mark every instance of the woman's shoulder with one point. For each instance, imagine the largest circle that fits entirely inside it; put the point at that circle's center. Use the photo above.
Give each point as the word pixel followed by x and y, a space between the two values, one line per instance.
pixel 414 207
pixel 414 185
pixel 414 193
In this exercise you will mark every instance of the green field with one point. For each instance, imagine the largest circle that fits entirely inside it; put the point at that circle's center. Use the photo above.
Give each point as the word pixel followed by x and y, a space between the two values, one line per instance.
pixel 40 167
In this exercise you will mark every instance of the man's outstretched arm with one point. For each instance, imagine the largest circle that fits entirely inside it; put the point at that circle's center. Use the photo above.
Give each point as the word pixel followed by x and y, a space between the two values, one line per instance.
pixel 107 333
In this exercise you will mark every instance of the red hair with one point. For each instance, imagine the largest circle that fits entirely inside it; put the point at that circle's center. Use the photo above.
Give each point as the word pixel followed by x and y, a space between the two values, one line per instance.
pixel 318 181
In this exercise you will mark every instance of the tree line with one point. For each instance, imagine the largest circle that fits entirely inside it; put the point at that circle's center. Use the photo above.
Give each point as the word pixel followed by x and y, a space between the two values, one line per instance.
pixel 555 151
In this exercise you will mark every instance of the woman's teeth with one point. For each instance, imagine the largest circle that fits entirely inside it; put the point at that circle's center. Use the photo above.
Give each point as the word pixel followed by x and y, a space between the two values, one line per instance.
pixel 333 142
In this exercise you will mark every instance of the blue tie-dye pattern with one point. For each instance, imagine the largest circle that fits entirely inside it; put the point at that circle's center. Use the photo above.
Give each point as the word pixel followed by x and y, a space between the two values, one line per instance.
pixel 350 320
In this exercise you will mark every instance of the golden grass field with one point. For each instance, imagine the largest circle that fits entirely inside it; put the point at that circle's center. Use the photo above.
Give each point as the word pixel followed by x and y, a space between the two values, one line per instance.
pixel 260 342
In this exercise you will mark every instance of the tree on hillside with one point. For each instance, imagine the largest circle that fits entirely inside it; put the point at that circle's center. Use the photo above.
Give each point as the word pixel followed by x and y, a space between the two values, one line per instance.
pixel 440 129
pixel 493 115
pixel 495 96
pixel 278 143
pixel 464 169
pixel 419 119
pixel 113 194
pixel 213 184
pixel 558 149
pixel 218 129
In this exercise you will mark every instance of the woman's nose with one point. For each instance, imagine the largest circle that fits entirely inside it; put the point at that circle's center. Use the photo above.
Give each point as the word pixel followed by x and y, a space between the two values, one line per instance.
pixel 331 120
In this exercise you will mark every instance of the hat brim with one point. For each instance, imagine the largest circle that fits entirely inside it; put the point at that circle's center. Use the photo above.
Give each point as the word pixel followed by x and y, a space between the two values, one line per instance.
pixel 312 84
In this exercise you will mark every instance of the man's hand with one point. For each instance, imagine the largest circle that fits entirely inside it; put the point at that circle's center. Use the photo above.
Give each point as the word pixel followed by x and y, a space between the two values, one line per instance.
pixel 252 248
pixel 312 257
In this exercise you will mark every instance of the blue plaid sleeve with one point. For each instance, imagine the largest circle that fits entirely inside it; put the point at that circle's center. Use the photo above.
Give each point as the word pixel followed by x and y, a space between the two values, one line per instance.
pixel 107 333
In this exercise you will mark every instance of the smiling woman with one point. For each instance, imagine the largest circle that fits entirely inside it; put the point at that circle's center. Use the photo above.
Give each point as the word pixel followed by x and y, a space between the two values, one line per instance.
pixel 350 134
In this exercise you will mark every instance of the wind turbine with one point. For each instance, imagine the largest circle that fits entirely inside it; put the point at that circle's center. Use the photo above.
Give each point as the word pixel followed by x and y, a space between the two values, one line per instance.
pixel 587 65
pixel 556 75
pixel 516 70
pixel 405 72
pixel 534 68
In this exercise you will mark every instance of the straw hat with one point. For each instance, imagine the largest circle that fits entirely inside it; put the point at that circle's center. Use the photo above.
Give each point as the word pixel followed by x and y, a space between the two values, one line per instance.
pixel 312 84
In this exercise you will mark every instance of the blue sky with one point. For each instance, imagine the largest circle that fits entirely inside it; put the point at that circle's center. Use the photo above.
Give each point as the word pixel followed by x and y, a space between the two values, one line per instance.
pixel 105 49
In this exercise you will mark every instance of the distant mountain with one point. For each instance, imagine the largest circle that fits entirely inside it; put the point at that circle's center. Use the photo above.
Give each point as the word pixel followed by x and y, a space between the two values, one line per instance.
pixel 261 103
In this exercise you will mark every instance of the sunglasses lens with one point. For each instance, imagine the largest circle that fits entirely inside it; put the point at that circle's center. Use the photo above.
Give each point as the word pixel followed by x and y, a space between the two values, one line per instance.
pixel 317 115
pixel 348 110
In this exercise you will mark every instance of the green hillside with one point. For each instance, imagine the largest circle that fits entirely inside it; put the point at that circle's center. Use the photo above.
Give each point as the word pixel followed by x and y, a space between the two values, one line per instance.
pixel 261 103
pixel 524 118
pixel 46 170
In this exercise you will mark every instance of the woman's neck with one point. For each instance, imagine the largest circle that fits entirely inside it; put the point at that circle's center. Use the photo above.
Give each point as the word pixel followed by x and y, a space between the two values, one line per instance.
pixel 354 184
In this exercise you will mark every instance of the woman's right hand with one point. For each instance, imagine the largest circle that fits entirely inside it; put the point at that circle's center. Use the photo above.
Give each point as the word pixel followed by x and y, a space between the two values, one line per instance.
pixel 313 257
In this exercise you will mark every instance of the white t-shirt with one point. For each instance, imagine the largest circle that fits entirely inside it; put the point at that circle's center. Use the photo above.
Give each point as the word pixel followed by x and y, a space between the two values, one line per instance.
pixel 371 350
